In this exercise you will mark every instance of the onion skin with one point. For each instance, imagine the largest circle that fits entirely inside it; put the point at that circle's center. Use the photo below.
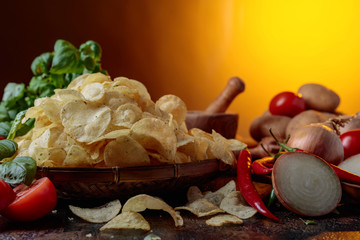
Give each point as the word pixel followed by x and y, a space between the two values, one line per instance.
pixel 351 125
pixel 319 140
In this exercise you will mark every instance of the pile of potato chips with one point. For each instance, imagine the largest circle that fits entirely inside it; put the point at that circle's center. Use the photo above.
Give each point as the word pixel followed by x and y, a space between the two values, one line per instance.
pixel 100 122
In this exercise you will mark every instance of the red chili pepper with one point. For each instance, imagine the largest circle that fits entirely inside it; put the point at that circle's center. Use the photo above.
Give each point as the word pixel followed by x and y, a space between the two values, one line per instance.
pixel 345 176
pixel 263 166
pixel 247 187
pixel 2 137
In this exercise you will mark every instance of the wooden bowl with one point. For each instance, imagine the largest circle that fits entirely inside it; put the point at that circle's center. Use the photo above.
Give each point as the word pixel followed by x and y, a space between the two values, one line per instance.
pixel 224 123
pixel 115 182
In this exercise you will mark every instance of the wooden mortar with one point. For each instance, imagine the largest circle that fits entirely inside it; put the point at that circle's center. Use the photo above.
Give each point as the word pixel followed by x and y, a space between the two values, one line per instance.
pixel 215 117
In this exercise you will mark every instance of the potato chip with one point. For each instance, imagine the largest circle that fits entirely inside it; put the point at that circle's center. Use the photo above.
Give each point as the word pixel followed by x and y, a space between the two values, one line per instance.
pixel 125 221
pixel 67 95
pixel 154 134
pixel 77 157
pixel 183 138
pixel 174 105
pixel 93 92
pixel 193 193
pixel 51 108
pixel 76 83
pixel 144 97
pixel 112 135
pixel 142 202
pixel 125 152
pixel 85 122
pixel 99 214
pixel 47 157
pixel 126 115
pixel 223 219
pixel 235 204
pixel 201 207
pixel 223 153
pixel 182 158
pixel 94 78
pixel 115 98
pixel 229 144
pixel 217 196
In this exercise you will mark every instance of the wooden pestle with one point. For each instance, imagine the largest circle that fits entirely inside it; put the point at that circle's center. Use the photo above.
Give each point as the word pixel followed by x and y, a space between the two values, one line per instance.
pixel 234 86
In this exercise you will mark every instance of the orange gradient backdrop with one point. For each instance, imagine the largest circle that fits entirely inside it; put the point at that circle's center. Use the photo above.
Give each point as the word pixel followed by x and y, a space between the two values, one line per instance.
pixel 191 47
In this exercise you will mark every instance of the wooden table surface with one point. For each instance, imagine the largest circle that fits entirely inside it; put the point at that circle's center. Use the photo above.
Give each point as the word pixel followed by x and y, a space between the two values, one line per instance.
pixel 62 224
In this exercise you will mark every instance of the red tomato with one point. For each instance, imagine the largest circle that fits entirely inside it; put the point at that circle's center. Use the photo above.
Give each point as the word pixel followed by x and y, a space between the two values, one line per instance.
pixel 32 202
pixel 351 142
pixel 7 195
pixel 287 104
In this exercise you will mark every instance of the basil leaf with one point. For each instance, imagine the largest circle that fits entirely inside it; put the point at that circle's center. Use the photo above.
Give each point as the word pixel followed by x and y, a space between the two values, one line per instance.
pixel 4 129
pixel 16 125
pixel 57 80
pixel 92 49
pixel 26 127
pixel 19 170
pixel 64 59
pixel 7 148
pixel 89 63
pixel 41 64
pixel 4 116
pixel 60 43
pixel 13 92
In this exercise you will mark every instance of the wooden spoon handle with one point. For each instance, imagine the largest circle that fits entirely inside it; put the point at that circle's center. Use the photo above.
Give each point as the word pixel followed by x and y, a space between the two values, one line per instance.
pixel 234 86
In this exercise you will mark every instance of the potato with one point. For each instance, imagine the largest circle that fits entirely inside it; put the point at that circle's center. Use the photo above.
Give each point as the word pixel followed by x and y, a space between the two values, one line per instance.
pixel 260 126
pixel 305 118
pixel 318 97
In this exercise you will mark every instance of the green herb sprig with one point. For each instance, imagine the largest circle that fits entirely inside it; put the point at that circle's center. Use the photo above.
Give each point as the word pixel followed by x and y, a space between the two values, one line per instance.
pixel 51 70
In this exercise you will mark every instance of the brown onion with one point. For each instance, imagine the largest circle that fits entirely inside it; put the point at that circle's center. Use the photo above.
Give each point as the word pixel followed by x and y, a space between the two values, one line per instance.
pixel 305 184
pixel 318 139
pixel 352 124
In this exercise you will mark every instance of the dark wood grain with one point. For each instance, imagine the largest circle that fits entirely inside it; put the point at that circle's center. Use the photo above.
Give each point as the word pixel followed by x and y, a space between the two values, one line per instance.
pixel 62 224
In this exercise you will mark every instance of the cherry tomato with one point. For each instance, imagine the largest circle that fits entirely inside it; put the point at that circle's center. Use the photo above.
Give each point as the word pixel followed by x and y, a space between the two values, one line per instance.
pixel 32 202
pixel 287 104
pixel 351 142
pixel 7 195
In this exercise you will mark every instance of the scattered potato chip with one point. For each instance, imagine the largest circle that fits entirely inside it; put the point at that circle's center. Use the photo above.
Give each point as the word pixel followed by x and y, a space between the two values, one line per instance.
pixel 99 214
pixel 235 204
pixel 142 202
pixel 174 105
pixel 193 193
pixel 217 196
pixel 85 122
pixel 127 220
pixel 223 219
pixel 201 207
pixel 125 152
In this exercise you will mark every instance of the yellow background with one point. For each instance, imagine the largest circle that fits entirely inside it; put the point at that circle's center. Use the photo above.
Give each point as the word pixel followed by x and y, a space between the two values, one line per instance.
pixel 192 47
